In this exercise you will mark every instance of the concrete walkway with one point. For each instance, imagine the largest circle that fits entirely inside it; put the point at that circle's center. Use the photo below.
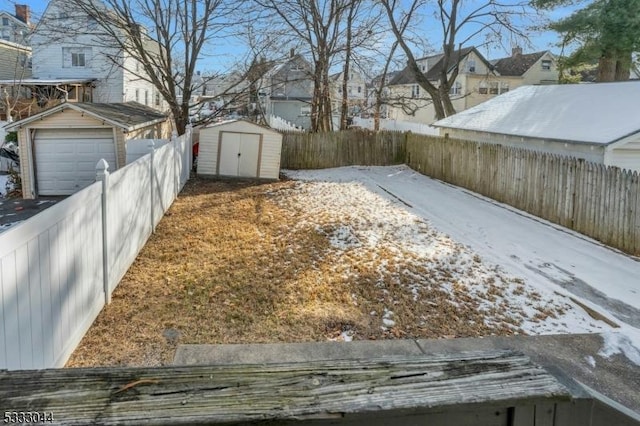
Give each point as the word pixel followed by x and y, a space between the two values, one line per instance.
pixel 569 357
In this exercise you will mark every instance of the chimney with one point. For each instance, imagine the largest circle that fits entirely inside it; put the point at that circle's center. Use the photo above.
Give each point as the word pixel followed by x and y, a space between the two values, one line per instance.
pixel 515 51
pixel 292 52
pixel 23 13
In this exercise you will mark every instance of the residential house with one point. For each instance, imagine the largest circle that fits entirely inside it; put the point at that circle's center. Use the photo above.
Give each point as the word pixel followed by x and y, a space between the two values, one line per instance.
pixel 15 67
pixel 79 64
pixel 526 69
pixel 476 82
pixel 596 122
pixel 372 88
pixel 16 28
pixel 356 92
pixel 286 91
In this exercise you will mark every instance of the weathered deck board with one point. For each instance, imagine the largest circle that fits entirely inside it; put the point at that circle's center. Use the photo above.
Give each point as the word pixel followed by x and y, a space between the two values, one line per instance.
pixel 295 391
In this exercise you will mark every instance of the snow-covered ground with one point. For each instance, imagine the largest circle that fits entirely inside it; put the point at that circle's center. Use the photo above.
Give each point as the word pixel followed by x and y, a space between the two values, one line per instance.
pixel 436 223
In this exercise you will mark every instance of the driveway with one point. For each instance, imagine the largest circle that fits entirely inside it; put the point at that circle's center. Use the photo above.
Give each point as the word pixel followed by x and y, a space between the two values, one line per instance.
pixel 15 210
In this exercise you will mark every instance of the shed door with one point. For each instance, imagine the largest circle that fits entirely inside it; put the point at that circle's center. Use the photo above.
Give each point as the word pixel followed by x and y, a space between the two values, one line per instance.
pixel 239 154
pixel 66 159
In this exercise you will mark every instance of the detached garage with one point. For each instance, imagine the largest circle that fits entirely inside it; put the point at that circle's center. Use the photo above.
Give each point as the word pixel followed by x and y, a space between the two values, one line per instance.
pixel 239 149
pixel 596 122
pixel 60 147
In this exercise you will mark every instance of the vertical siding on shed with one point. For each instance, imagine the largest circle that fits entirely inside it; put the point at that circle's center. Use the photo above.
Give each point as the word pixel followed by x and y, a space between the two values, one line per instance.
pixel 270 154
pixel 270 161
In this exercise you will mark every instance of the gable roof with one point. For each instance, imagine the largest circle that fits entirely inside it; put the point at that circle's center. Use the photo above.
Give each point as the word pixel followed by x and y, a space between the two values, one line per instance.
pixel 245 122
pixel 435 64
pixel 517 65
pixel 600 113
pixel 127 116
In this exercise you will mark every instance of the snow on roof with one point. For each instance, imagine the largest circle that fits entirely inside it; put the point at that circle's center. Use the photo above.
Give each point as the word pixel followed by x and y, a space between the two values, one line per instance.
pixel 600 113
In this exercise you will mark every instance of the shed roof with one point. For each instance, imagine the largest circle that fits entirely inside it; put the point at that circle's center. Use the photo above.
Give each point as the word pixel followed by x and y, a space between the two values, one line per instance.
pixel 128 116
pixel 244 122
pixel 600 113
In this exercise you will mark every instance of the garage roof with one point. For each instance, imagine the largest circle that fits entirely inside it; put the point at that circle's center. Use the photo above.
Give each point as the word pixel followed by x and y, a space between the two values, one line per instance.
pixel 600 113
pixel 128 116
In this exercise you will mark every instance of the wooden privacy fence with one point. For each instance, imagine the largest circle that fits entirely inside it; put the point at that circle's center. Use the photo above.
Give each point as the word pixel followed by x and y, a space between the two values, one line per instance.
pixel 345 148
pixel 58 268
pixel 598 201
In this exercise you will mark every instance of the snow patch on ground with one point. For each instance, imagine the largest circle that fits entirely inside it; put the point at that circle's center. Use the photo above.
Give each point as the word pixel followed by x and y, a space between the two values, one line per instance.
pixel 361 219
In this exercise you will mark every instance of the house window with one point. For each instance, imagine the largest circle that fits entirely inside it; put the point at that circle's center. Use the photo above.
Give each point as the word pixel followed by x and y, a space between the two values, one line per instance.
pixel 5 22
pixel 92 23
pixel 157 99
pixel 456 89
pixel 146 97
pixel 76 57
pixel 137 95
pixel 415 91
pixel 296 67
pixel 77 60
pixel 305 111
pixel 504 87
pixel 493 88
pixel 471 65
pixel 359 89
pixel 63 15
pixel 546 65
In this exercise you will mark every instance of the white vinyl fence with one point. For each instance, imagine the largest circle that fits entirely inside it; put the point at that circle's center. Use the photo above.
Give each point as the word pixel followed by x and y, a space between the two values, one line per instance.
pixel 401 126
pixel 59 268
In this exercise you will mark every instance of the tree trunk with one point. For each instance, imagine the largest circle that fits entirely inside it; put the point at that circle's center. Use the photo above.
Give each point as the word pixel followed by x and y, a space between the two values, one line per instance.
pixel 606 67
pixel 623 67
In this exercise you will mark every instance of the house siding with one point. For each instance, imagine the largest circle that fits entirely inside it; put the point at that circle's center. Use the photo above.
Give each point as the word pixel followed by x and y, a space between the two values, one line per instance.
pixel 114 84
pixel 626 156
pixel 13 61
pixel 588 152
pixel 536 75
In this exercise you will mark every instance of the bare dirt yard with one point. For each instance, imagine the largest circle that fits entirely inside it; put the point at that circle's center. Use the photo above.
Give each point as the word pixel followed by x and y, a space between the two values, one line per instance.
pixel 243 262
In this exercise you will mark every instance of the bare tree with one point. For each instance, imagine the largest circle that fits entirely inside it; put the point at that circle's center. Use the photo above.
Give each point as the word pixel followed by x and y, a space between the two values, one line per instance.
pixel 489 17
pixel 12 96
pixel 319 25
pixel 166 39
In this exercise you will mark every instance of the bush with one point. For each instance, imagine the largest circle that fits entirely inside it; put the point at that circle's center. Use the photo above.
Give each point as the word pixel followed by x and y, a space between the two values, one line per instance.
pixel 14 184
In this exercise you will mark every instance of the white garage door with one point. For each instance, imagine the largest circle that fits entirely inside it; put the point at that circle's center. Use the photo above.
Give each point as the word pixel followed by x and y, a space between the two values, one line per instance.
pixel 239 154
pixel 66 159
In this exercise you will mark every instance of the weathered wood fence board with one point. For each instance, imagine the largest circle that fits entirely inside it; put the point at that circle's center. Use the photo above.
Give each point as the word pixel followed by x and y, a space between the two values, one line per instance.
pixel 337 149
pixel 484 383
pixel 598 201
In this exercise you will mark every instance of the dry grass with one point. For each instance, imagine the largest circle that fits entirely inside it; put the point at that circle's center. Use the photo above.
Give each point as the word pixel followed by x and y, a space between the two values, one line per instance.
pixel 228 264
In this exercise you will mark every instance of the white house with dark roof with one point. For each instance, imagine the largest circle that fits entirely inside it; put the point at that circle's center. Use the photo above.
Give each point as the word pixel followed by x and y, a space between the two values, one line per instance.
pixel 596 122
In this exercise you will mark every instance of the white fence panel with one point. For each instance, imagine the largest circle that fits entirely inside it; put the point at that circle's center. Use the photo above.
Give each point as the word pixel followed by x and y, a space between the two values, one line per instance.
pixel 137 148
pixel 164 180
pixel 129 216
pixel 401 126
pixel 51 281
pixel 52 265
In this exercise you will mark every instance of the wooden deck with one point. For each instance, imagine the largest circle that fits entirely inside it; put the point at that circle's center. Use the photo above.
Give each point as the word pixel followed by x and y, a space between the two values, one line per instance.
pixel 483 388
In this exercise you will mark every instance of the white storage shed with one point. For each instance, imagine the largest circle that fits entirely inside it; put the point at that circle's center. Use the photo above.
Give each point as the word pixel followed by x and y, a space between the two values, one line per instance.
pixel 239 148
